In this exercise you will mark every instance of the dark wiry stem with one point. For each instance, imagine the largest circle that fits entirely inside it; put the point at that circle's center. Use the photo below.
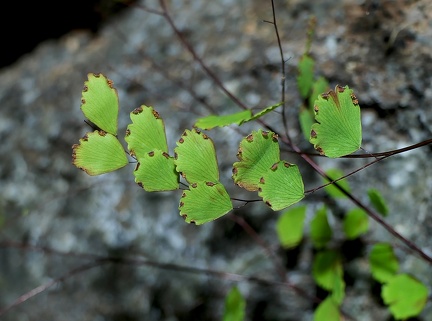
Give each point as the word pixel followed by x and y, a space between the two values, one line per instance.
pixel 32 293
pixel 274 23
pixel 197 58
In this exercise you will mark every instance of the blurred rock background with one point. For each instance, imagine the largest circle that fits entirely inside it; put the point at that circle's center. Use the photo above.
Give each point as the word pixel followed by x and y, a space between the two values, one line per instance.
pixel 53 215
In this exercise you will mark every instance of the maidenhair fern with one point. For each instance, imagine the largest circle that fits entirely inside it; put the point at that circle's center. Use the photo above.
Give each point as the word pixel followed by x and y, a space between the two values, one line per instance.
pixel 329 119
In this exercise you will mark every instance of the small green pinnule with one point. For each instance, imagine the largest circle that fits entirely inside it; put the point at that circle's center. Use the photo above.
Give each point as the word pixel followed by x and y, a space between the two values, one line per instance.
pixel 99 152
pixel 337 131
pixel 405 295
pixel 257 153
pixel 99 102
pixel 355 223
pixel 213 121
pixel 204 202
pixel 290 226
pixel 155 172
pixel 383 262
pixel 195 157
pixel 281 186
pixel 238 118
pixel 146 133
pixel 306 75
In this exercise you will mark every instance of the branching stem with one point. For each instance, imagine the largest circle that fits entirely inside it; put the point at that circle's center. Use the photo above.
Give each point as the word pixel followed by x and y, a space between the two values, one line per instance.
pixel 368 210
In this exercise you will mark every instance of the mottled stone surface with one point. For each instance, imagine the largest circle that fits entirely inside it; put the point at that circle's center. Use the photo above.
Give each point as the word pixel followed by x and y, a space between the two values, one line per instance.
pixel 380 49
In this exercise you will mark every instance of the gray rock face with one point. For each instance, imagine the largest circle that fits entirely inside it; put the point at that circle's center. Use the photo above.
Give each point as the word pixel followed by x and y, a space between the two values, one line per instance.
pixel 56 219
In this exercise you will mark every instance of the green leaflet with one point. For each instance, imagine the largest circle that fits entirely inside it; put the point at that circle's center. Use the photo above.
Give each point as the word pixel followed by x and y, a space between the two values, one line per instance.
pixel 320 230
pixel 290 226
pixel 156 172
pixel 257 153
pixel 337 131
pixel 146 133
pixel 328 273
pixel 378 201
pixel 355 223
pixel 195 157
pixel 405 295
pixel 98 153
pixel 306 74
pixel 281 185
pixel 383 262
pixel 99 102
pixel 327 310
pixel 239 118
pixel 212 121
pixel 235 306
pixel 204 202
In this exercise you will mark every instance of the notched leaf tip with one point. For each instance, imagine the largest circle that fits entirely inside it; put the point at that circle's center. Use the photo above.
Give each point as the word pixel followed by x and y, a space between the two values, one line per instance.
pixel 110 83
pixel 85 138
pixel 354 99
pixel 313 134
pixel 137 110
pixel 240 154
pixel 74 147
pixel 340 89
pixel 102 133
pixel 156 114
pixel 234 171
pixel 287 165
